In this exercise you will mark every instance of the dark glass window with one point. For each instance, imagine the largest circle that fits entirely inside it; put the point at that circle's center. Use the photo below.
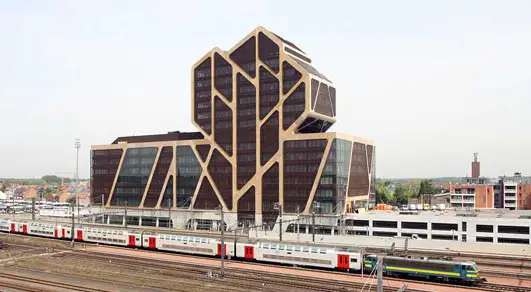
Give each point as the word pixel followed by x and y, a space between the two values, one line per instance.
pixel 270 195
pixel 513 240
pixel 301 163
pixel 202 95
pixel 443 237
pixel 484 228
pixel 104 166
pixel 359 172
pixel 269 138
pixel 246 130
pixel 223 125
pixel 269 92
pixel 223 76
pixel 513 229
pixel 444 226
pixel 484 239
pixel 246 208
pixel 167 198
pixel 134 176
pixel 159 177
pixel 268 52
pixel 220 170
pixel 361 222
pixel 294 106
pixel 386 234
pixel 415 225
pixel 384 224
pixel 245 56
pixel 290 76
pixel 332 189
pixel 188 172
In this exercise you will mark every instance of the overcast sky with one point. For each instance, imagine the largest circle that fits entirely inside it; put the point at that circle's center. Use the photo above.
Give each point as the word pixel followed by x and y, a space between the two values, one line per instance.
pixel 430 82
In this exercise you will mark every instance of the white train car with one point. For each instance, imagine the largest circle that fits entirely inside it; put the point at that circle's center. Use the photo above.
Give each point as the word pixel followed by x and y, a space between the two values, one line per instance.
pixel 5 225
pixel 113 236
pixel 42 229
pixel 186 244
pixel 304 255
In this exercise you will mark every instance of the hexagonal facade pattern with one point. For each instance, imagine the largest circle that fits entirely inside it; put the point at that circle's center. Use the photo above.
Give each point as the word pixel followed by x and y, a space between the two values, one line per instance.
pixel 262 111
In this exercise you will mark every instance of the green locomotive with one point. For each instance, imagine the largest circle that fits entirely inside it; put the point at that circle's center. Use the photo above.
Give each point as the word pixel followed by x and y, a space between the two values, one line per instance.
pixel 466 272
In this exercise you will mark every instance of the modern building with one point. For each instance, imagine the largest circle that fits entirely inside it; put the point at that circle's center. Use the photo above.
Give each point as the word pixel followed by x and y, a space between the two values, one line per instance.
pixel 262 112
pixel 470 196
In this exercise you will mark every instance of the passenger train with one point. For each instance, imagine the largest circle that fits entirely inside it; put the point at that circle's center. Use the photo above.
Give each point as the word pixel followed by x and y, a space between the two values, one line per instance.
pixel 297 254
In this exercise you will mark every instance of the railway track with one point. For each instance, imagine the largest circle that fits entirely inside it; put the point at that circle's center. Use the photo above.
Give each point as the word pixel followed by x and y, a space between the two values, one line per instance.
pixel 271 277
pixel 25 283
pixel 244 278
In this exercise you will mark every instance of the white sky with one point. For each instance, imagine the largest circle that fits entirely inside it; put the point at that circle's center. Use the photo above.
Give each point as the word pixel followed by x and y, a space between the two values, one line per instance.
pixel 430 81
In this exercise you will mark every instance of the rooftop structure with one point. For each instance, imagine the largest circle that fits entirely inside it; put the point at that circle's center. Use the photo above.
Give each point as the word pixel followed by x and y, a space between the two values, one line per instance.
pixel 262 111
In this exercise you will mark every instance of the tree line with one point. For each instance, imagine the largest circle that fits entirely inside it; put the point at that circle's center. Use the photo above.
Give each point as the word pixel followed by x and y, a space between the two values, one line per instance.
pixel 400 193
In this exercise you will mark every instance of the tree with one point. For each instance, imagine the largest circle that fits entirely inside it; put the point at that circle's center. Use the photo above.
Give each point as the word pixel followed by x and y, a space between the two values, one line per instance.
pixel 426 187
pixel 51 179
pixel 402 194
pixel 383 194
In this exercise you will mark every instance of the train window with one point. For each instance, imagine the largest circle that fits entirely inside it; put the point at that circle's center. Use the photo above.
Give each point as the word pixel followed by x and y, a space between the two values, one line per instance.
pixel 115 232
pixel 173 237
pixel 204 240
pixel 305 249
pixel 322 251
pixel 120 233
pixel 281 247
pixel 297 248
pixel 273 246
pixel 266 245
pixel 179 238
pixel 353 260
pixel 289 248
pixel 315 250
pixel 470 268
pixel 198 240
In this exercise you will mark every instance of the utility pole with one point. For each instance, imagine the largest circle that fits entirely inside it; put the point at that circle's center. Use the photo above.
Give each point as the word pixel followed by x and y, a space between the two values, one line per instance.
pixel 13 204
pixel 169 215
pixel 379 270
pixel 73 226
pixel 77 200
pixel 33 209
pixel 222 242
pixel 77 145
pixel 102 208
pixel 278 206
pixel 313 226
pixel 125 214
pixel 341 224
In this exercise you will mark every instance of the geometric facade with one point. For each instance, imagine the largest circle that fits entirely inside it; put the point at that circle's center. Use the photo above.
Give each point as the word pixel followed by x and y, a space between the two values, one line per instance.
pixel 262 112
